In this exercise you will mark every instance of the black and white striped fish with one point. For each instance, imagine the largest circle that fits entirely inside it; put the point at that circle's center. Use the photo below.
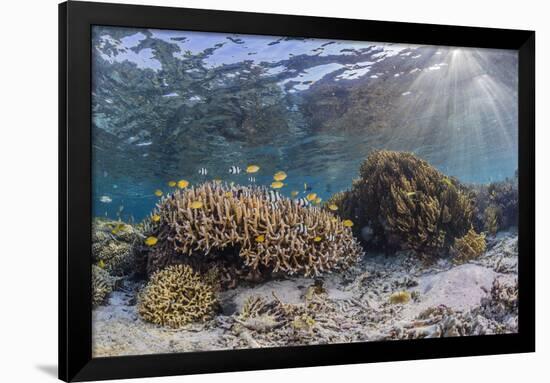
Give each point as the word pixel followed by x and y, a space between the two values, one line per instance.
pixel 273 196
pixel 302 202
pixel 301 228
pixel 234 170
pixel 252 179
pixel 203 171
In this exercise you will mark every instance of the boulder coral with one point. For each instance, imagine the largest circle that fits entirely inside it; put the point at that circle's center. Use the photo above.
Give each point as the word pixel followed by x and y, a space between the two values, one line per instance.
pixel 113 244
pixel 102 285
pixel 269 234
pixel 176 296
pixel 406 203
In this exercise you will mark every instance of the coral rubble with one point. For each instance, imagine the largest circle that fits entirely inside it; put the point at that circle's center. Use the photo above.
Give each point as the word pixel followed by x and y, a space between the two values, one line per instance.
pixel 407 203
pixel 176 296
pixel 269 235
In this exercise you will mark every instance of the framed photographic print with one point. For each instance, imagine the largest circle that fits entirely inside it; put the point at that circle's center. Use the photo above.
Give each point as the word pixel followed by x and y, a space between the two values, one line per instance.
pixel 250 191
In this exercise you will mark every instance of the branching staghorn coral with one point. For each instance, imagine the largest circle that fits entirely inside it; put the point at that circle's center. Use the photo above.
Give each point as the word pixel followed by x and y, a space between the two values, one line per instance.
pixel 176 296
pixel 468 247
pixel 407 203
pixel 102 285
pixel 269 236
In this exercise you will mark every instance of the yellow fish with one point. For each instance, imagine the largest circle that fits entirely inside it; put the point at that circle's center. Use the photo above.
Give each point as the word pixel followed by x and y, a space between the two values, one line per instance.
pixel 151 241
pixel 348 223
pixel 333 207
pixel 260 238
pixel 280 176
pixel 318 200
pixel 196 205
pixel 158 193
pixel 228 194
pixel 182 184
pixel 317 239
pixel 410 194
pixel 252 168
pixel 101 264
pixel 119 227
pixel 171 183
pixel 311 196
pixel 277 185
pixel 155 218
pixel 294 193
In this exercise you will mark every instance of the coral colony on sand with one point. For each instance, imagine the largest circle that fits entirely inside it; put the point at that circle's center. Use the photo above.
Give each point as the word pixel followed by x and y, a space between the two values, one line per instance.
pixel 329 192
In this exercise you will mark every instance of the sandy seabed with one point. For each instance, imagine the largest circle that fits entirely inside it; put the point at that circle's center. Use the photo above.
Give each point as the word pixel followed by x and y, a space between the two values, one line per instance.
pixel 475 298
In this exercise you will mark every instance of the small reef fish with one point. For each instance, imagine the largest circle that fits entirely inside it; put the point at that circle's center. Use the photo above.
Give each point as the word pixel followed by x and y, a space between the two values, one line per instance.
pixel 203 171
pixel 118 228
pixel 294 193
pixel 318 200
pixel 280 176
pixel 105 199
pixel 234 170
pixel 317 239
pixel 277 185
pixel 182 184
pixel 155 218
pixel 228 194
pixel 252 168
pixel 158 193
pixel 411 194
pixel 101 264
pixel 171 183
pixel 348 223
pixel 151 241
pixel 311 196
pixel 252 179
pixel 302 202
pixel 301 228
pixel 333 207
pixel 196 205
pixel 273 196
pixel 447 181
pixel 260 238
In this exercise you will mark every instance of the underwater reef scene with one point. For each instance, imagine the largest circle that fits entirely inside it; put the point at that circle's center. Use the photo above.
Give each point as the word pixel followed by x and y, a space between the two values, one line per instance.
pixel 259 191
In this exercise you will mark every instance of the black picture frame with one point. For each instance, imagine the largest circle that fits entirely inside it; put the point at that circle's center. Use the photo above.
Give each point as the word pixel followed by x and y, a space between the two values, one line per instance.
pixel 75 337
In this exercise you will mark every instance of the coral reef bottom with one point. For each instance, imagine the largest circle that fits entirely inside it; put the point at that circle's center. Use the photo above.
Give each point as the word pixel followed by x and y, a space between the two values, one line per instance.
pixel 380 298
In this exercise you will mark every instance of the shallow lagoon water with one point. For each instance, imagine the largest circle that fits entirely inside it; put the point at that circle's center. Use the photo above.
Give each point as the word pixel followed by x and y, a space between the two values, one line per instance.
pixel 167 103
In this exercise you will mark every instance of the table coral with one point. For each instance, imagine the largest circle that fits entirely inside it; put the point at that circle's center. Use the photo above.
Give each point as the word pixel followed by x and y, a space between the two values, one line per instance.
pixel 176 296
pixel 268 236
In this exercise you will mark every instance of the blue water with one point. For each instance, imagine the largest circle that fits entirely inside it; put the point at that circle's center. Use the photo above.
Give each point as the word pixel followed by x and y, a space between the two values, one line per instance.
pixel 167 103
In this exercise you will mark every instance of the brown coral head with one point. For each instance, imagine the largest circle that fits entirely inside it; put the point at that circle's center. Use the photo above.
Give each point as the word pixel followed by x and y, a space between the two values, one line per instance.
pixel 176 296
